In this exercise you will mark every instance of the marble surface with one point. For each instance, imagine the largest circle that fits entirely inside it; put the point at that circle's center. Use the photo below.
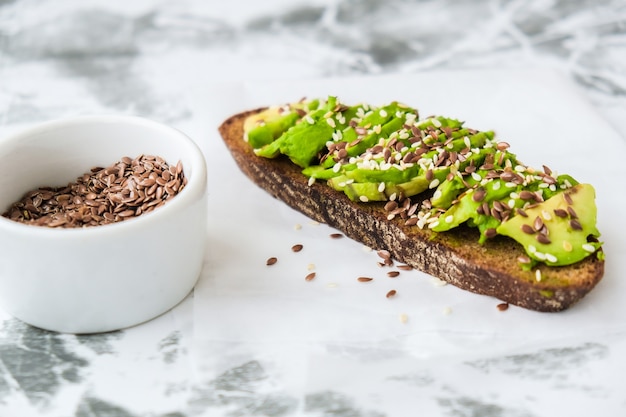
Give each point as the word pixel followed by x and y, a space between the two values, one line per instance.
pixel 153 58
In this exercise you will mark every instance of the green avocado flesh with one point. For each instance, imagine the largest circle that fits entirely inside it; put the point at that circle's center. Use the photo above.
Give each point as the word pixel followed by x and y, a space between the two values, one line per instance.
pixel 463 176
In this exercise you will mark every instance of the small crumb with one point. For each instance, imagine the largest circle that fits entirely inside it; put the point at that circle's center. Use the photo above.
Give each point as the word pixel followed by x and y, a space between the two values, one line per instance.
pixel 310 276
pixel 391 293
pixel 364 279
pixel 403 318
pixel 447 311
pixel 298 226
pixel 438 282
pixel 310 267
pixel 332 285
pixel 503 306
pixel 297 248
pixel 336 235
pixel 393 274
pixel 271 261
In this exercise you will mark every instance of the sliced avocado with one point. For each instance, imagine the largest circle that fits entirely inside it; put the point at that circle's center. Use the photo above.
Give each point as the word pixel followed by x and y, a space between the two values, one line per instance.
pixel 557 231
pixel 271 129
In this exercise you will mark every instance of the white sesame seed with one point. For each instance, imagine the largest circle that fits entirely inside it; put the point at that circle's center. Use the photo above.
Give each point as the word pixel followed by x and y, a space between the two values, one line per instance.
pixel 437 282
pixel 476 176
pixel 546 215
pixel 496 185
pixel 544 185
pixel 532 249
pixel 311 181
pixel 449 219
pixel 364 199
pixel 382 113
pixel 381 187
pixel 377 129
pixel 514 195
pixel 511 203
pixel 432 225
pixel 538 275
pixel 297 226
pixel 510 185
pixel 551 258
pixel 434 183
pixel 520 168
pixel 437 194
pixel 436 122
pixel 540 255
pixel 393 197
pixel 567 246
pixel 309 119
pixel 552 187
pixel 588 247
pixel 331 122
pixel 467 142
pixel 447 311
pixel 403 318
pixel 337 167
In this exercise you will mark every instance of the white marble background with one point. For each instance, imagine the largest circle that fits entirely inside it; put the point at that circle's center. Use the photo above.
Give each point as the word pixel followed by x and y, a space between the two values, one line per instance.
pixel 147 57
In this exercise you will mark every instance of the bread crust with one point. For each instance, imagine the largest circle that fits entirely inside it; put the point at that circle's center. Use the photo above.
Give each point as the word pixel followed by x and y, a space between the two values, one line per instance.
pixel 456 257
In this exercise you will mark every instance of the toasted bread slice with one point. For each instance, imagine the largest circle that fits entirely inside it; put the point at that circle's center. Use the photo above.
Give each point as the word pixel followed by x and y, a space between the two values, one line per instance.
pixel 456 257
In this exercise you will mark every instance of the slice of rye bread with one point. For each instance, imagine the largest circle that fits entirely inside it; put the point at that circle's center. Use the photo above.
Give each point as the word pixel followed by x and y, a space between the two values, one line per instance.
pixel 456 256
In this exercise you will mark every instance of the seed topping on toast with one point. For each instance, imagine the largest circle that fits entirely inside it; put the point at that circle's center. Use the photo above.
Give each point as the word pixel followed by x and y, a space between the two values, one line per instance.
pixel 433 173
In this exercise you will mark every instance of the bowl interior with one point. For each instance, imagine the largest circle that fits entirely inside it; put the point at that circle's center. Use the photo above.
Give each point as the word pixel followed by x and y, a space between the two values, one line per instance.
pixel 58 152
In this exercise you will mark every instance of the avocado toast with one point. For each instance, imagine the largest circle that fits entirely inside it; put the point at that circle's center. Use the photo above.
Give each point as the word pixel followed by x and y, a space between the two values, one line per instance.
pixel 446 199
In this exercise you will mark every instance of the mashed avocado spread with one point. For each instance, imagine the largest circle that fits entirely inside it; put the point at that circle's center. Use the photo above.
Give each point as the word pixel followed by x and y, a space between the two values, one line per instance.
pixel 388 154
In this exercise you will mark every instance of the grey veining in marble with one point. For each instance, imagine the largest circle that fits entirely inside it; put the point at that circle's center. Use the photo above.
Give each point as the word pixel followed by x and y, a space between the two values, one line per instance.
pixel 59 58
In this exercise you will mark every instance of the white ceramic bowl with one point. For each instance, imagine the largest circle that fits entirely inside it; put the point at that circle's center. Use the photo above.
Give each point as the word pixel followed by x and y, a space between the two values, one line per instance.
pixel 108 277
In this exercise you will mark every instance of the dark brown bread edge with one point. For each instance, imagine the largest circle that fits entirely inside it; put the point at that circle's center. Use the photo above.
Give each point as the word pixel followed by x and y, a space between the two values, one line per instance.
pixel 456 257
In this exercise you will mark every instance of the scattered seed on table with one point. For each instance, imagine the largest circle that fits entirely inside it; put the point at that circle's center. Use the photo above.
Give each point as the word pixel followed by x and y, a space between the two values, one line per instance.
pixel 364 279
pixel 297 248
pixel 310 267
pixel 310 276
pixel 391 294
pixel 403 318
pixel 393 274
pixel 502 306
pixel 405 267
pixel 336 235
pixel 271 261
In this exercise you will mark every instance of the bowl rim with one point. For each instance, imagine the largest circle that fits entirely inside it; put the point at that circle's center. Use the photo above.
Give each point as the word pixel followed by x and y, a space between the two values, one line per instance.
pixel 196 184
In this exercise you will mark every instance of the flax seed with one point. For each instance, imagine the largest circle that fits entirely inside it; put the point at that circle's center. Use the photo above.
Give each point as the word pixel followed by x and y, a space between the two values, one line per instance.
pixel 123 190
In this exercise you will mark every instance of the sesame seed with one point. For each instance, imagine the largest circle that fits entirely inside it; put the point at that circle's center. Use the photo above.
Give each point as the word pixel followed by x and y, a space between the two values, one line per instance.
pixel 310 276
pixel 271 261
pixel 336 235
pixel 381 187
pixel 567 246
pixel 382 113
pixel 403 318
pixel 434 183
pixel 364 279
pixel 363 199
pixel 309 120
pixel 311 181
pixel 447 311
pixel 297 248
pixel 391 293
pixel 331 122
pixel 393 274
pixel 546 215
pixel 588 247
pixel 449 219
pixel 538 275
pixel 551 258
